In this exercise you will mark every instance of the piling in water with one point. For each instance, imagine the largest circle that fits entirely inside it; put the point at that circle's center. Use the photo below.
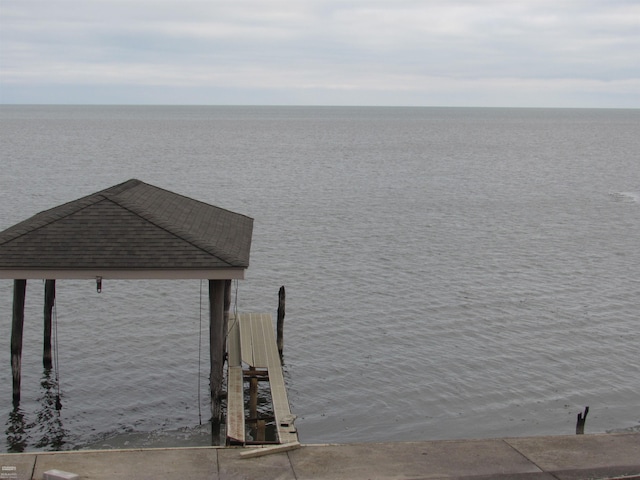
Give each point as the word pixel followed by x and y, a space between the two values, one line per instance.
pixel 49 301
pixel 280 322
pixel 17 324
pixel 582 418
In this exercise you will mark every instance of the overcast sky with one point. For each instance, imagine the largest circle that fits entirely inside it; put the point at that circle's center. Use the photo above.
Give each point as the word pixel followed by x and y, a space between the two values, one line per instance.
pixel 538 53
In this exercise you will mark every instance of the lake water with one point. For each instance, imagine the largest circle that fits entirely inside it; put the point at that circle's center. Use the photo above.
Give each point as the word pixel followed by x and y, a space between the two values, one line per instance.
pixel 450 273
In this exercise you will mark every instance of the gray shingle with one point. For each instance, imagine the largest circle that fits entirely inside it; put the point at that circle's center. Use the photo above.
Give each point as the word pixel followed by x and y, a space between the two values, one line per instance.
pixel 132 225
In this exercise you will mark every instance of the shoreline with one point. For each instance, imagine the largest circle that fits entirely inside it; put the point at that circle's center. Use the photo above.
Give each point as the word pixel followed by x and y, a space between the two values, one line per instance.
pixel 591 456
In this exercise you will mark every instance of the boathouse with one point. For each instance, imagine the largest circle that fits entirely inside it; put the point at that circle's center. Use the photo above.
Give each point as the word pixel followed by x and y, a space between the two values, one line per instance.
pixel 129 231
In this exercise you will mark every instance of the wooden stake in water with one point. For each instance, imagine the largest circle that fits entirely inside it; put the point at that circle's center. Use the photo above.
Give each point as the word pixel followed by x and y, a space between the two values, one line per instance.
pixel 280 322
pixel 582 418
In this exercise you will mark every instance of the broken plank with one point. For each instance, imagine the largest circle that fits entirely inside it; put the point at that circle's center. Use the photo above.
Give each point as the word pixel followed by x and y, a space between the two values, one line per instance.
pixel 260 452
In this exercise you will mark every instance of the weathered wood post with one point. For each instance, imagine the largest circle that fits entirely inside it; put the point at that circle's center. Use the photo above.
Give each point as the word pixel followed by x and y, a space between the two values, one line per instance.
pixel 217 351
pixel 582 418
pixel 17 324
pixel 49 301
pixel 227 307
pixel 280 322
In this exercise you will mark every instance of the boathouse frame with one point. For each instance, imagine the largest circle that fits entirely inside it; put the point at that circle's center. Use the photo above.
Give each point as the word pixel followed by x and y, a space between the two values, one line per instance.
pixel 129 231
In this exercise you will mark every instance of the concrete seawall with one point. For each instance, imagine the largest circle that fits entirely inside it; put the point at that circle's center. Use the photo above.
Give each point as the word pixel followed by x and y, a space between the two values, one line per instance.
pixel 577 457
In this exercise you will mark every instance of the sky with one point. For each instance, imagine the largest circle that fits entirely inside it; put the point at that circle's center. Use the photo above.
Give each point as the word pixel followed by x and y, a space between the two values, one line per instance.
pixel 489 53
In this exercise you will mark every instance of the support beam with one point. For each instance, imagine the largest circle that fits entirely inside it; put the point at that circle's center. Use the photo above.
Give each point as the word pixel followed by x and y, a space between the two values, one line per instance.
pixel 17 324
pixel 49 302
pixel 227 307
pixel 217 342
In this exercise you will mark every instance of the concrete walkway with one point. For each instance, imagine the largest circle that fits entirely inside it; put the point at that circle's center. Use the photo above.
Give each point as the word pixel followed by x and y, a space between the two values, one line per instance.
pixel 532 458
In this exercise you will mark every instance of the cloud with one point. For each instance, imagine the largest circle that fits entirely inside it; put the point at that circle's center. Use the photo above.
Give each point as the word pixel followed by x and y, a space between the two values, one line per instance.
pixel 425 47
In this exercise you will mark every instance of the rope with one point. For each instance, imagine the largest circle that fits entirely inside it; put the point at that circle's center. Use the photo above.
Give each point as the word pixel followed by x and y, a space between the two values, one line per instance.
pixel 235 303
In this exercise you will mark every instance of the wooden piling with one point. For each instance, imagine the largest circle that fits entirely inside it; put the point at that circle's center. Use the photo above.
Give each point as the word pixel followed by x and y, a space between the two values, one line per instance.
pixel 280 321
pixel 217 339
pixel 49 301
pixel 582 418
pixel 17 324
pixel 226 308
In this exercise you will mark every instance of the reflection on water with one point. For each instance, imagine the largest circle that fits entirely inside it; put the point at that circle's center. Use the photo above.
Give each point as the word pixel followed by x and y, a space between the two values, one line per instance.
pixel 17 436
pixel 48 427
pixel 47 431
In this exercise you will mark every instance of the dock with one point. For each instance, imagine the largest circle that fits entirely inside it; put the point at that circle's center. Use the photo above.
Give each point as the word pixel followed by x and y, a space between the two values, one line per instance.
pixel 574 457
pixel 252 359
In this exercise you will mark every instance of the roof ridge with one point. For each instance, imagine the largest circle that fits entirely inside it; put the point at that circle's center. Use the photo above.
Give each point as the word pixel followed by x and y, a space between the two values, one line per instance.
pixel 191 199
pixel 174 230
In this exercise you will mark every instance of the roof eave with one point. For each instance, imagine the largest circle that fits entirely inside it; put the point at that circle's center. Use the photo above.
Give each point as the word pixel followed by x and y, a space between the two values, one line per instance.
pixel 125 274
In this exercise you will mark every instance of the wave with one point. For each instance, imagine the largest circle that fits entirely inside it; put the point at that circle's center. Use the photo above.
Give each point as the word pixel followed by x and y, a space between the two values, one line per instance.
pixel 626 197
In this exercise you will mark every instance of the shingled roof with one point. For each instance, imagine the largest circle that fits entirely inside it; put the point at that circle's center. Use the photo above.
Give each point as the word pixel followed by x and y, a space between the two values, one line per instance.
pixel 130 230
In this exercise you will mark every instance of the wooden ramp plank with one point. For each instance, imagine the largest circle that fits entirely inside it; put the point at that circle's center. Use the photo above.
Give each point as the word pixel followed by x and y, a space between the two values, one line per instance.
pixel 281 409
pixel 246 346
pixel 235 385
pixel 233 343
pixel 260 326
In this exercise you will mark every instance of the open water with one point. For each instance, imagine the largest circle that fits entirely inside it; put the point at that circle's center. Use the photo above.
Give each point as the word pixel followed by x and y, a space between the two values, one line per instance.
pixel 450 273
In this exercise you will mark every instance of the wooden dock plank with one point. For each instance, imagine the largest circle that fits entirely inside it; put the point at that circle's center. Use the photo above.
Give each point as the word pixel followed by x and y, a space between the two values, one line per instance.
pixel 235 406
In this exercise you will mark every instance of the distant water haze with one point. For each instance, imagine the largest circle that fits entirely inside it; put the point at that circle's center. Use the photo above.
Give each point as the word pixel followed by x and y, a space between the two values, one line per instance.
pixel 450 272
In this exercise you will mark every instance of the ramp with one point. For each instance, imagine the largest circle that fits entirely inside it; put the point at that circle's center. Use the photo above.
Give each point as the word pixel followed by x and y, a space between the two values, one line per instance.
pixel 253 357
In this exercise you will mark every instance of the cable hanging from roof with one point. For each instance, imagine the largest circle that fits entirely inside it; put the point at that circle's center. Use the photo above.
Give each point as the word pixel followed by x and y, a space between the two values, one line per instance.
pixel 56 362
pixel 200 356
pixel 235 310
